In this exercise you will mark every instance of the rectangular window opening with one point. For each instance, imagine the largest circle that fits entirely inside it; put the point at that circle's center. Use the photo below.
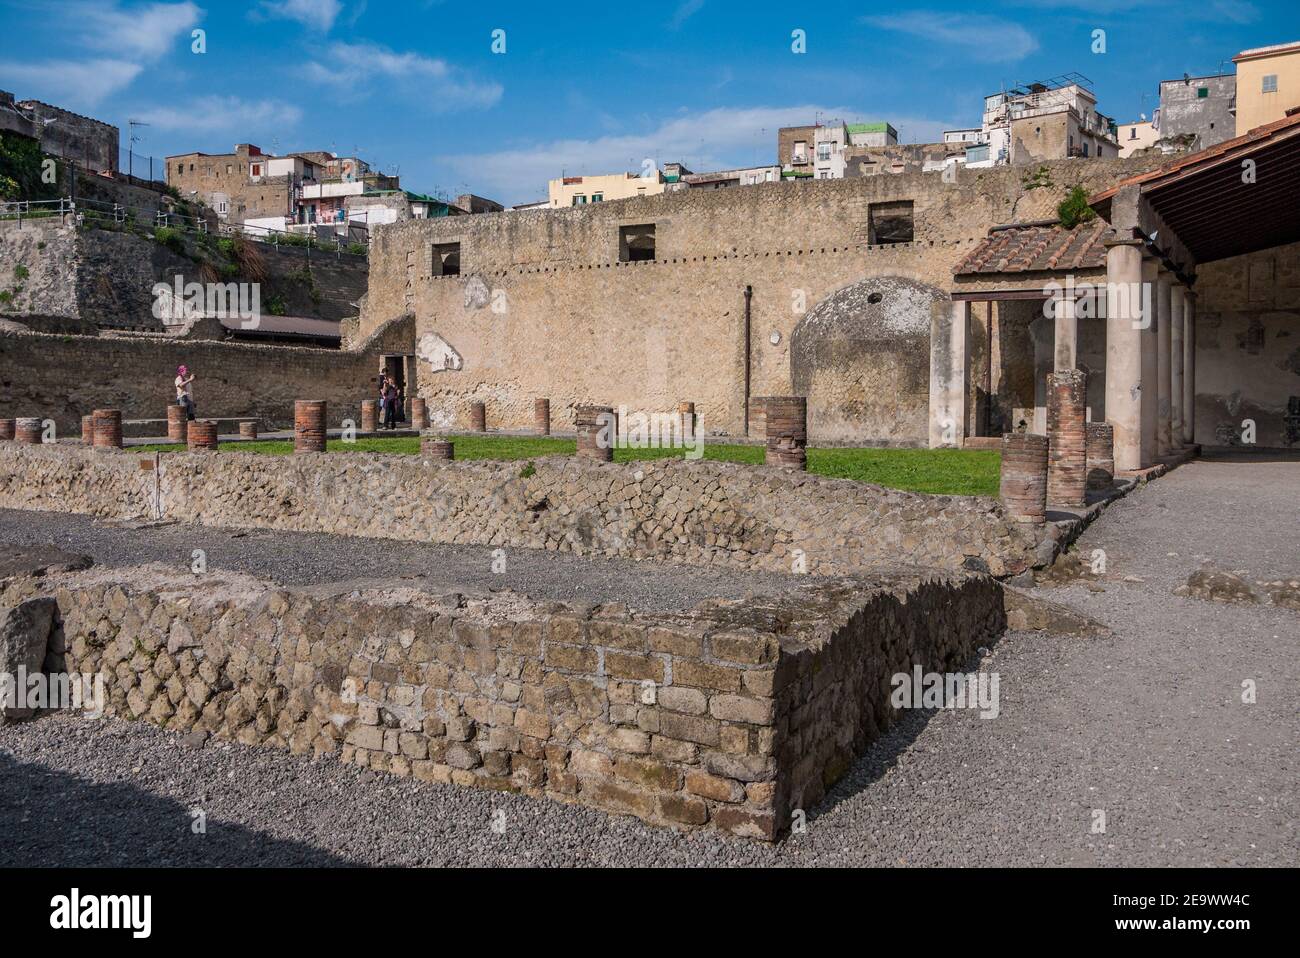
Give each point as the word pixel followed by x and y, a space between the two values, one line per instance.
pixel 890 223
pixel 445 259
pixel 636 243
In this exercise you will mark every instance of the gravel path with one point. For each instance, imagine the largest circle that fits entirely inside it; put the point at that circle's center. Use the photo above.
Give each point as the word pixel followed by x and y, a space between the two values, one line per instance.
pixel 301 558
pixel 1146 725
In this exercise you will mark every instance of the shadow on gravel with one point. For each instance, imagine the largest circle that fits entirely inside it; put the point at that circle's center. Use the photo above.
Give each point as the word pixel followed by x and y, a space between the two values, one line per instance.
pixel 53 819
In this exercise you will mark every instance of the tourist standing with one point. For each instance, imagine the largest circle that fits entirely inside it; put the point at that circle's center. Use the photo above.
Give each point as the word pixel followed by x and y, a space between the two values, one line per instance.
pixel 390 404
pixel 185 391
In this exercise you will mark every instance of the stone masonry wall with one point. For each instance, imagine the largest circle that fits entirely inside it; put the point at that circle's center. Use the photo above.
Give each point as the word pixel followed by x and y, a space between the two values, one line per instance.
pixel 697 512
pixel 544 308
pixel 730 716
pixel 66 377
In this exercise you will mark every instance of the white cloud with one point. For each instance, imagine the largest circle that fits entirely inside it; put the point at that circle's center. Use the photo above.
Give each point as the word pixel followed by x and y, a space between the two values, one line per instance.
pixel 979 36
pixel 316 14
pixel 75 84
pixel 220 114
pixel 141 32
pixel 349 66
pixel 731 139
pixel 685 10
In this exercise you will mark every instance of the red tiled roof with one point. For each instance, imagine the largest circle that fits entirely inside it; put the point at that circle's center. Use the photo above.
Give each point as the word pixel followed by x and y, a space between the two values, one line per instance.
pixel 1038 248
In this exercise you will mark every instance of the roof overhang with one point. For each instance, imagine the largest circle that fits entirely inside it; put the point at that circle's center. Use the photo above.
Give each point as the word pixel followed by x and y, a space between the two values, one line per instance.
pixel 1236 197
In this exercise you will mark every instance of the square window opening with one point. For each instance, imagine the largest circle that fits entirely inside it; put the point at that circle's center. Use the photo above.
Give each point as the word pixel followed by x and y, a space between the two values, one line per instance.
pixel 636 243
pixel 445 259
pixel 889 223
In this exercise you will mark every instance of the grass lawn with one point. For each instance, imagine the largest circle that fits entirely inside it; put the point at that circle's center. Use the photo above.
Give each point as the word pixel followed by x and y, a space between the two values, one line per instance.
pixel 971 472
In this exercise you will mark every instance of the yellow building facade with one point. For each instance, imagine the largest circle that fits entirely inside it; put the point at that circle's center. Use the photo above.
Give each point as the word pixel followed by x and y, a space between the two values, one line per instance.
pixel 1268 84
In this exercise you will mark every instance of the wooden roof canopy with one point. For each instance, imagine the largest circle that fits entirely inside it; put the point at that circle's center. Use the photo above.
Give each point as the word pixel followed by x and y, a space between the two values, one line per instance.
pixel 1210 203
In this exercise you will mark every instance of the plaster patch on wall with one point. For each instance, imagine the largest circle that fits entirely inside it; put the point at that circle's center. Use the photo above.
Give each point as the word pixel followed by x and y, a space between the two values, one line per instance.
pixel 438 353
pixel 477 293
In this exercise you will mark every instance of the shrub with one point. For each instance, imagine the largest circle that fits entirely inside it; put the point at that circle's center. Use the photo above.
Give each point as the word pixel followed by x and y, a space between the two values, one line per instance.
pixel 21 271
pixel 1074 209
pixel 171 238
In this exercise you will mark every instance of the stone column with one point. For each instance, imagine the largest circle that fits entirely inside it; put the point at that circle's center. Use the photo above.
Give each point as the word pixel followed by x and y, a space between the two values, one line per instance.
pixel 177 422
pixel 1176 311
pixel 1150 320
pixel 434 447
pixel 1067 465
pixel 1164 323
pixel 1189 367
pixel 1066 341
pixel 1124 351
pixel 686 413
pixel 28 431
pixel 419 413
pixel 248 430
pixel 542 417
pixel 1023 487
pixel 202 435
pixel 477 416
pixel 596 432
pixel 1100 455
pixel 949 365
pixel 786 431
pixel 108 428
pixel 369 415
pixel 309 425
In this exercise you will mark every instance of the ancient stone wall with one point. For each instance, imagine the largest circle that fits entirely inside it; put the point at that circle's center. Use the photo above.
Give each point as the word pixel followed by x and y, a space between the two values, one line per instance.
pixel 543 306
pixel 697 512
pixel 1248 348
pixel 732 716
pixel 66 377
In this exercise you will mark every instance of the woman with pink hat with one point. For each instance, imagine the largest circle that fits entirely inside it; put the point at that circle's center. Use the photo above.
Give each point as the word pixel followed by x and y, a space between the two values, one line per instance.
pixel 185 391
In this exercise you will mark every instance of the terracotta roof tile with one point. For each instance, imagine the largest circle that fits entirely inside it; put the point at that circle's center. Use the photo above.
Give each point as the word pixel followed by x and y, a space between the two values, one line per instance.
pixel 1038 248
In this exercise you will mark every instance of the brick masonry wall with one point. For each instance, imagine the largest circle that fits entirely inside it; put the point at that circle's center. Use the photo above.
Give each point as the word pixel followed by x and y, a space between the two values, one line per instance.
pixel 696 512
pixel 66 377
pixel 707 718
pixel 543 307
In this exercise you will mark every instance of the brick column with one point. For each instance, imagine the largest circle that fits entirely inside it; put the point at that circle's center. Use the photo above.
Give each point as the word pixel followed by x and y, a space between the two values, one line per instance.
pixel 596 432
pixel 8 429
pixel 1023 487
pixel 686 412
pixel 202 435
pixel 108 428
pixel 434 447
pixel 1100 455
pixel 309 425
pixel 786 430
pixel 88 430
pixel 542 417
pixel 28 431
pixel 177 421
pixel 369 415
pixel 419 414
pixel 248 430
pixel 1067 464
pixel 477 416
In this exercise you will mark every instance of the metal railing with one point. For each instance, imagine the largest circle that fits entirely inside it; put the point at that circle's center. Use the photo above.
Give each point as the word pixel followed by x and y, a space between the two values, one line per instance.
pixel 99 213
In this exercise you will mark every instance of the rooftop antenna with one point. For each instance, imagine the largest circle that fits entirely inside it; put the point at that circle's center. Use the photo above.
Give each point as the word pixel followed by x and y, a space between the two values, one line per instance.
pixel 131 139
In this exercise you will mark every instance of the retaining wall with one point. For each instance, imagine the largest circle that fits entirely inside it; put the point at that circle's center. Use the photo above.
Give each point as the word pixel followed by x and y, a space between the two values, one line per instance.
pixel 732 716
pixel 697 512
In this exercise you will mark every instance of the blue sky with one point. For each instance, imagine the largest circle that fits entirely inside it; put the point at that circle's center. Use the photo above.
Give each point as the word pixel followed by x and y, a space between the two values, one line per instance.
pixel 586 87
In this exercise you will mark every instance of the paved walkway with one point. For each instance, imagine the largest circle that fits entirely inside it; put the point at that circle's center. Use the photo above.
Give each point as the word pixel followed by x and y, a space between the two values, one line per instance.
pixel 1146 726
